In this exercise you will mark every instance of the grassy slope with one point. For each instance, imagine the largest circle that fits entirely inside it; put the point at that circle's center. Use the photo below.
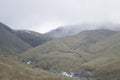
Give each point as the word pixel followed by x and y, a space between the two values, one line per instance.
pixel 106 63
pixel 61 54
pixel 10 44
pixel 11 69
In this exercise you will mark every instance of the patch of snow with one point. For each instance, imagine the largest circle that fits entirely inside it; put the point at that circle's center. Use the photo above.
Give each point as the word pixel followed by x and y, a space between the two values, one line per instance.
pixel 68 75
pixel 28 62
pixel 30 32
pixel 77 49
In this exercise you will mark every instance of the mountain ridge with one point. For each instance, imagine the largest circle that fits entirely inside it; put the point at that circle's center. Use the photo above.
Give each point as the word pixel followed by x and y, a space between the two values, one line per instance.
pixel 70 30
pixel 33 38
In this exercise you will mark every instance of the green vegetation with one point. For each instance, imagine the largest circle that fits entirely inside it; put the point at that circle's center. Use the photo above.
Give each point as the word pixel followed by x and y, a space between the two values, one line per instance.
pixel 95 50
pixel 73 51
pixel 106 62
pixel 11 69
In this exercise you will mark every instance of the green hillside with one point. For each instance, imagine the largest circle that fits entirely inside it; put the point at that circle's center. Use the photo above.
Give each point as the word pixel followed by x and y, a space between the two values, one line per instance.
pixel 96 51
pixel 11 69
pixel 106 62
pixel 67 54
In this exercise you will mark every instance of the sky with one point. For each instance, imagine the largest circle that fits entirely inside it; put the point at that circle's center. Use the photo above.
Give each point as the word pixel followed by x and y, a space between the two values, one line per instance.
pixel 45 15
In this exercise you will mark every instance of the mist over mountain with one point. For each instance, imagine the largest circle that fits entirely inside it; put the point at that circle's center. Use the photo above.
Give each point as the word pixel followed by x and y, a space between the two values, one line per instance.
pixel 76 50
pixel 59 39
pixel 75 29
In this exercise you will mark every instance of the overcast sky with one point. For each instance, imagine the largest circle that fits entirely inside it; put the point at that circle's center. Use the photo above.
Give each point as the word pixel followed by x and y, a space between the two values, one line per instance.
pixel 44 15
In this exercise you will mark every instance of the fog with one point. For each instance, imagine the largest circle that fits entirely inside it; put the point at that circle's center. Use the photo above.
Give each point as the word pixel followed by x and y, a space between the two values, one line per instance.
pixel 44 15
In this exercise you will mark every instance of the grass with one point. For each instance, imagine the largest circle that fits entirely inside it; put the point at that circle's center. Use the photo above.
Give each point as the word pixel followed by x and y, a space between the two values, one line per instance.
pixel 105 68
pixel 10 44
pixel 11 69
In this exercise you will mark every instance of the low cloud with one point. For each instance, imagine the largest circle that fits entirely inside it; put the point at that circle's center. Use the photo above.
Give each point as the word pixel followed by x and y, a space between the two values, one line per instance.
pixel 44 15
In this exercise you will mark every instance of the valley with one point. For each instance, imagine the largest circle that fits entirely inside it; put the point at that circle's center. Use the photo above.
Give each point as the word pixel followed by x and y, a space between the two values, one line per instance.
pixel 86 55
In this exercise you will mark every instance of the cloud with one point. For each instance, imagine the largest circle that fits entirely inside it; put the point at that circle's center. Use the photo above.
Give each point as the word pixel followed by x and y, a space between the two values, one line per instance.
pixel 43 15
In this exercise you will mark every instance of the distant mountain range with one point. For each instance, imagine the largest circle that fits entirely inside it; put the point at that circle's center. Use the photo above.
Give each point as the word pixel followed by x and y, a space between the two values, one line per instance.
pixel 75 29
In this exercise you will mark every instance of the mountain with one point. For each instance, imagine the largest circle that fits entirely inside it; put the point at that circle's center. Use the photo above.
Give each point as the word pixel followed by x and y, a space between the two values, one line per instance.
pixel 12 69
pixel 63 31
pixel 89 55
pixel 70 30
pixel 10 43
pixel 32 38
pixel 69 53
pixel 92 51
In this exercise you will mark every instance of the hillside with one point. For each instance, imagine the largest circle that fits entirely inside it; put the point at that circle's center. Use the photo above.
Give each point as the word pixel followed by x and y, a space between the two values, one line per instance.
pixel 10 44
pixel 32 38
pixel 67 54
pixel 11 69
pixel 92 51
pixel 106 62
